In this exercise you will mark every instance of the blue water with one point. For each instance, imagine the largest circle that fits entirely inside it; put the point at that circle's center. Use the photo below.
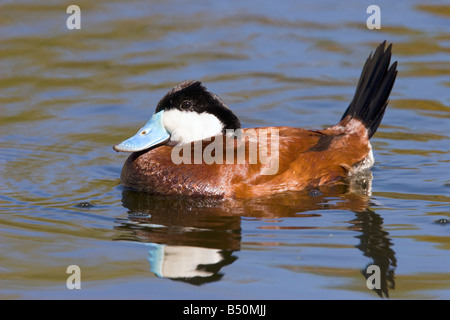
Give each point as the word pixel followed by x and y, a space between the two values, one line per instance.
pixel 67 96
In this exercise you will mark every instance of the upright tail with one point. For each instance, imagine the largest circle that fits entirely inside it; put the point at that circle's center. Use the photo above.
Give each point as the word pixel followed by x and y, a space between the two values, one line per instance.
pixel 374 86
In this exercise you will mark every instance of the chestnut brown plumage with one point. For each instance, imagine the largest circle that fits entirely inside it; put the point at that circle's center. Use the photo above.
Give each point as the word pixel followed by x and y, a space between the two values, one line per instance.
pixel 306 158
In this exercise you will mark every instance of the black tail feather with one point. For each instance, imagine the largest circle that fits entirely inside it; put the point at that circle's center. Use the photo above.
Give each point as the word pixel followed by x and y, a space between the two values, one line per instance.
pixel 375 84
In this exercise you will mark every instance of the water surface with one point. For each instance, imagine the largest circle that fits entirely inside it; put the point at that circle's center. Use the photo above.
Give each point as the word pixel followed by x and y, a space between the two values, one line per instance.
pixel 67 96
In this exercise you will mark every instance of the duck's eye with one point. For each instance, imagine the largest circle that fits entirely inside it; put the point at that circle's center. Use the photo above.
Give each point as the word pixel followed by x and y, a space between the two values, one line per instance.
pixel 186 104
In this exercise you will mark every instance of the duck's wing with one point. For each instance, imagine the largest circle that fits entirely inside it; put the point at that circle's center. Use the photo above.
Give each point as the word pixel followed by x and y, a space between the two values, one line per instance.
pixel 313 158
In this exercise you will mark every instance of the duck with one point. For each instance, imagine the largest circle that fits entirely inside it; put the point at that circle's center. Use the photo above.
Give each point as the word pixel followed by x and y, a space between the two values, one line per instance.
pixel 194 145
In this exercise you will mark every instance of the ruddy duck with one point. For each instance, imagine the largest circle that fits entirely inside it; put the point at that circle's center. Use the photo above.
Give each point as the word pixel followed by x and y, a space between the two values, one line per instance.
pixel 189 118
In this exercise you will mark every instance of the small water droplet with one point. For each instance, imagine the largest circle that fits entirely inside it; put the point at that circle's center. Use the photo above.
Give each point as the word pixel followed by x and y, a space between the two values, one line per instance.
pixel 139 215
pixel 315 193
pixel 85 204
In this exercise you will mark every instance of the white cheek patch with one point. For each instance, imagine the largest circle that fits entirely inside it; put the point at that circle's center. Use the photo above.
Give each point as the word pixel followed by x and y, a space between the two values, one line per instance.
pixel 188 126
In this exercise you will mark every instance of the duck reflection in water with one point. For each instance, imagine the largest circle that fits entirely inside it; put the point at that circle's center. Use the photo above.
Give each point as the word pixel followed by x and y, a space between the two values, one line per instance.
pixel 192 240
pixel 189 240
